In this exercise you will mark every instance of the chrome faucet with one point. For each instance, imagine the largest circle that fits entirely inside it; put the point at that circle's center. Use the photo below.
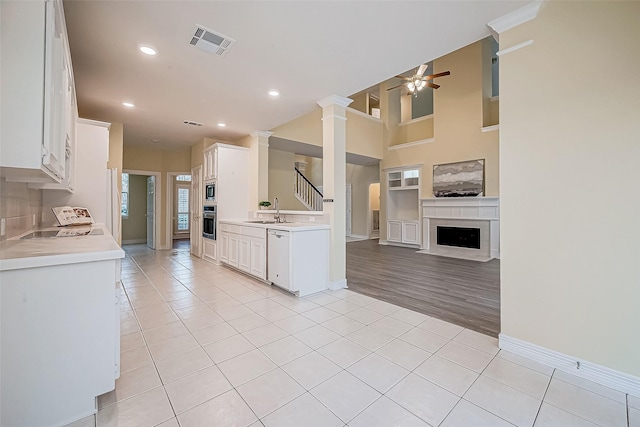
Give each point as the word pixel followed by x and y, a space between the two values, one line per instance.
pixel 276 216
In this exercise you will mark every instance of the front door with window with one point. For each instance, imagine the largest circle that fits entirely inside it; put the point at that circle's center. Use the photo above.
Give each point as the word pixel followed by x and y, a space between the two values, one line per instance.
pixel 181 226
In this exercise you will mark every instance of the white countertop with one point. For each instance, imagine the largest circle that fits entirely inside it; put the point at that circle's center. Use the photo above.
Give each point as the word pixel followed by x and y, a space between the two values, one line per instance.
pixel 285 226
pixel 40 252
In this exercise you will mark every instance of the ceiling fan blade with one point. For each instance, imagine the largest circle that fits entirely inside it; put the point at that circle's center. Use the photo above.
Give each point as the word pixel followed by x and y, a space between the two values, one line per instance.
pixel 395 87
pixel 433 76
pixel 432 85
pixel 421 70
pixel 404 78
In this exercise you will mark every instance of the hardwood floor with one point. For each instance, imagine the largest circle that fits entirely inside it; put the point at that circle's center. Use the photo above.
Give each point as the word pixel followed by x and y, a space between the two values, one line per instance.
pixel 463 292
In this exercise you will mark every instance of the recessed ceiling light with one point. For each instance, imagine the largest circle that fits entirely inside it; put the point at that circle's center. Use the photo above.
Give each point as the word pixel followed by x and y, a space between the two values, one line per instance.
pixel 128 104
pixel 222 124
pixel 148 50
pixel 274 93
pixel 155 141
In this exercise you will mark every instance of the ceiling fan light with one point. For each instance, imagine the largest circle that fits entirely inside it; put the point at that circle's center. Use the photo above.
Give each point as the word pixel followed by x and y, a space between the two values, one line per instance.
pixel 411 86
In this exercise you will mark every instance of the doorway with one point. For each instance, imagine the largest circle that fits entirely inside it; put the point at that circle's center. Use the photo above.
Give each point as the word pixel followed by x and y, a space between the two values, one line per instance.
pixel 374 210
pixel 178 208
pixel 139 207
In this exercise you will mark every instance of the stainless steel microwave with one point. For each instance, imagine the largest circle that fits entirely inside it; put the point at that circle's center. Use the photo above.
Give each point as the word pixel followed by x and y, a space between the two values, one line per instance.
pixel 210 191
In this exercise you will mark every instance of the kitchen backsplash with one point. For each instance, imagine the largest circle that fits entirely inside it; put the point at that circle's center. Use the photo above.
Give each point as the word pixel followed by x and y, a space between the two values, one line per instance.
pixel 18 205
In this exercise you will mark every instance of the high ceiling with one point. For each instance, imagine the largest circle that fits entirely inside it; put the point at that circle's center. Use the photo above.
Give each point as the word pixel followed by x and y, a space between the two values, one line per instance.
pixel 307 50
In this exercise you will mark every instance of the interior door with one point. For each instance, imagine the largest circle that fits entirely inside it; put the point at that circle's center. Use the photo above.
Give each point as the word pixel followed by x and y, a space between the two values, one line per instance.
pixel 196 211
pixel 151 211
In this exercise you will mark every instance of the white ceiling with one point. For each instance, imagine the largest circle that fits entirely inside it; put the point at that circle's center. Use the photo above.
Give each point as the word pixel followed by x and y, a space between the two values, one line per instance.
pixel 305 49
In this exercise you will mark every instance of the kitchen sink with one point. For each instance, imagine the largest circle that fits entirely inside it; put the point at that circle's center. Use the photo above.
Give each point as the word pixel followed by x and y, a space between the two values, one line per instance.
pixel 261 221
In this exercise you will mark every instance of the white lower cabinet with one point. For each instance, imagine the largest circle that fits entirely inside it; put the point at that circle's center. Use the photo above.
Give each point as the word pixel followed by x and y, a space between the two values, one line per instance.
pixel 223 241
pixel 394 231
pixel 233 250
pixel 244 247
pixel 244 253
pixel 258 258
pixel 411 232
pixel 209 249
pixel 60 341
pixel 403 231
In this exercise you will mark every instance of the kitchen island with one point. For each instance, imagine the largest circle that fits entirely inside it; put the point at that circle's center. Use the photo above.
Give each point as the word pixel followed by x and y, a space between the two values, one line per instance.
pixel 60 324
pixel 293 256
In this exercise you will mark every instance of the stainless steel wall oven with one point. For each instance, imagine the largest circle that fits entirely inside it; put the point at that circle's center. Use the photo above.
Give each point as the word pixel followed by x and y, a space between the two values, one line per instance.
pixel 209 219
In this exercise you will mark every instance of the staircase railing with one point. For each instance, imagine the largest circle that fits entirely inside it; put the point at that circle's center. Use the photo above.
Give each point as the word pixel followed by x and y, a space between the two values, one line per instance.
pixel 306 192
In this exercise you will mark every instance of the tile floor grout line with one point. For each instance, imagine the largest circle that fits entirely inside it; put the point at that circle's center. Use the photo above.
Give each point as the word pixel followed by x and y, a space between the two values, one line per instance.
pixel 543 396
pixel 627 409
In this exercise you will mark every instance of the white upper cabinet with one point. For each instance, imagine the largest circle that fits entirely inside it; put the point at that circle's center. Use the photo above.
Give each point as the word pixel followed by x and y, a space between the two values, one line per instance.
pixel 38 102
pixel 210 164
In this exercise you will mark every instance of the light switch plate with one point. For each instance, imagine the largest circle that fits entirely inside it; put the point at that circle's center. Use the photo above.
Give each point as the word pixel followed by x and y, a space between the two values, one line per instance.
pixel 33 222
pixel 3 227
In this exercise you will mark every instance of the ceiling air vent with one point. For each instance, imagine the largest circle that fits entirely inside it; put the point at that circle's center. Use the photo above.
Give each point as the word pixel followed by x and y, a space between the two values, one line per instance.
pixel 211 42
pixel 189 122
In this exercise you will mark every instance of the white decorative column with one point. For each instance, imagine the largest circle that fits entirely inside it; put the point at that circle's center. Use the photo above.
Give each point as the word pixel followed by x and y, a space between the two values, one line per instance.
pixel 334 142
pixel 259 168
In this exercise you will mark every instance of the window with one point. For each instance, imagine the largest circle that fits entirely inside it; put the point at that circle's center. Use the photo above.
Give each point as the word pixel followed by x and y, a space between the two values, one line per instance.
pixel 124 207
pixel 183 209
pixel 183 178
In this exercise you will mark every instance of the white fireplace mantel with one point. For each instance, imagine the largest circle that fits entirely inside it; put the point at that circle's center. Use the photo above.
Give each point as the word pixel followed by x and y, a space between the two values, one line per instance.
pixel 463 210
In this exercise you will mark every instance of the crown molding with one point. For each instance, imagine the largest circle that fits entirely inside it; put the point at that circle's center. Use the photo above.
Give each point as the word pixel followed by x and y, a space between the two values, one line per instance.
pixel 263 133
pixel 515 18
pixel 334 99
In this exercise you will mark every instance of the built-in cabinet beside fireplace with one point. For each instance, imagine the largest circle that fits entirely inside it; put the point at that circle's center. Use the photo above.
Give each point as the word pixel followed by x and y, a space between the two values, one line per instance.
pixel 464 227
pixel 403 206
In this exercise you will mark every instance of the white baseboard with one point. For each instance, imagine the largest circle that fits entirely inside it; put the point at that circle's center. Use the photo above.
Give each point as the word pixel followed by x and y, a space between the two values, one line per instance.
pixel 134 241
pixel 338 284
pixel 616 380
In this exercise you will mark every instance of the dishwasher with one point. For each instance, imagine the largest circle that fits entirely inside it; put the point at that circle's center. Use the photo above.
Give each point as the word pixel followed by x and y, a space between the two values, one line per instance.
pixel 279 271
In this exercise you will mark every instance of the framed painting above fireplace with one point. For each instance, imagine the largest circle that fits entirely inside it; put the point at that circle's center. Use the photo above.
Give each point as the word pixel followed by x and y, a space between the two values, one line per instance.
pixel 461 179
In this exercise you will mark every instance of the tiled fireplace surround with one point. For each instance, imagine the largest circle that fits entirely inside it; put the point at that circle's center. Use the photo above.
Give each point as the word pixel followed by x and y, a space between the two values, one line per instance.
pixel 472 212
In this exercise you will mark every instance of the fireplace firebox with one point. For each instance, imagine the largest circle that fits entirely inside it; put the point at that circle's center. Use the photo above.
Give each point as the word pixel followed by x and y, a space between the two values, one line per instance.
pixel 461 237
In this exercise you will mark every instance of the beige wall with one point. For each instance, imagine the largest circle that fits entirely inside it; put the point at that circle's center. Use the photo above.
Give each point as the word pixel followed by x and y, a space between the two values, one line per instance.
pixel 116 135
pixel 414 131
pixel 359 102
pixel 307 129
pixel 134 228
pixel 281 176
pixel 364 135
pixel 569 183
pixel 360 177
pixel 163 161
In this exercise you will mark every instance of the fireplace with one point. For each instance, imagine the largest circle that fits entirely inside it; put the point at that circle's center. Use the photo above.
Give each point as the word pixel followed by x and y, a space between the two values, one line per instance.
pixel 464 227
pixel 461 237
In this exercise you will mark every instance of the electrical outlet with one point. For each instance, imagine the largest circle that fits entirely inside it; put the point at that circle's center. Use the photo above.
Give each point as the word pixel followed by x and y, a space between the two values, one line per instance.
pixel 3 227
pixel 312 219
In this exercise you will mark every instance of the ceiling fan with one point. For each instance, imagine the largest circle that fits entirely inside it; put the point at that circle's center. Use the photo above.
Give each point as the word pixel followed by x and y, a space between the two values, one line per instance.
pixel 419 81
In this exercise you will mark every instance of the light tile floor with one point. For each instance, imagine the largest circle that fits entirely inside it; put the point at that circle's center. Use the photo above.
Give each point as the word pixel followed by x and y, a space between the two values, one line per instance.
pixel 203 345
